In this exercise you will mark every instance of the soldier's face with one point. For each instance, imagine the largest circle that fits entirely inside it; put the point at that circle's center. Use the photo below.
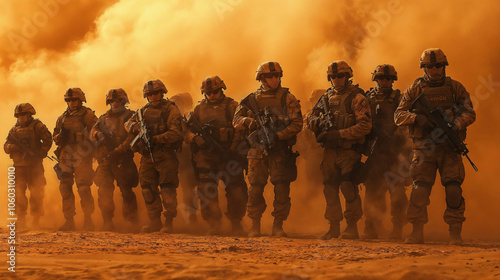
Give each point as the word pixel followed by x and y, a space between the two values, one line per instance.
pixel 155 98
pixel 117 103
pixel 338 81
pixel 273 82
pixel 213 95
pixel 23 118
pixel 384 82
pixel 73 103
pixel 434 70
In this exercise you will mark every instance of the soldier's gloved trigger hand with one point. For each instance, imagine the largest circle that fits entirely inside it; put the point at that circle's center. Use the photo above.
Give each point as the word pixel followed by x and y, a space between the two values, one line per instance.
pixel 99 136
pixel 422 121
pixel 135 129
pixel 251 124
pixel 314 124
pixel 199 141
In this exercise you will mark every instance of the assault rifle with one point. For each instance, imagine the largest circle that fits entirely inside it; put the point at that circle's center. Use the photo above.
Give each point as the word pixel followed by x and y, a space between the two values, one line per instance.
pixel 435 117
pixel 262 137
pixel 205 131
pixel 327 119
pixel 144 135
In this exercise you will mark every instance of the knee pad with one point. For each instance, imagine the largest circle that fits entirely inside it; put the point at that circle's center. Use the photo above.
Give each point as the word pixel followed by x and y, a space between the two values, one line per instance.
pixel 419 196
pixel 149 195
pixel 349 191
pixel 453 196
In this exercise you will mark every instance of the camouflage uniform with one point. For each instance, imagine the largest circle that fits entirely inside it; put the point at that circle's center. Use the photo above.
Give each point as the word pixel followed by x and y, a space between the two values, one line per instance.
pixel 75 153
pixel 430 155
pixel 116 162
pixel 212 166
pixel 389 160
pixel 29 168
pixel 164 124
pixel 279 164
pixel 352 120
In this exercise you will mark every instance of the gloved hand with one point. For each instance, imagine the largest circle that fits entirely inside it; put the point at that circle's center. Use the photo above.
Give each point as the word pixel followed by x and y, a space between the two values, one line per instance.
pixel 135 129
pixel 99 136
pixel 315 124
pixel 200 142
pixel 422 121
pixel 251 124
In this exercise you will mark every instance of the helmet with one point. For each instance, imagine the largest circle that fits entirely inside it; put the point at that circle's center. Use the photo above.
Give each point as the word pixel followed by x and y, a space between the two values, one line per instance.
pixel 385 70
pixel 212 83
pixel 433 56
pixel 154 86
pixel 338 67
pixel 24 108
pixel 268 67
pixel 75 93
pixel 117 93
pixel 183 100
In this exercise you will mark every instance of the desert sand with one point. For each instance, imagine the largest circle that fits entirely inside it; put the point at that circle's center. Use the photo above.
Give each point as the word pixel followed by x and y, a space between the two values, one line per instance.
pixel 48 254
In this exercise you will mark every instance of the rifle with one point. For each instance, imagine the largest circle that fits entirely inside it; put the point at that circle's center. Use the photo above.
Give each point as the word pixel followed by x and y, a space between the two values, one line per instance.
pixel 205 131
pixel 327 119
pixel 435 117
pixel 20 144
pixel 263 137
pixel 144 135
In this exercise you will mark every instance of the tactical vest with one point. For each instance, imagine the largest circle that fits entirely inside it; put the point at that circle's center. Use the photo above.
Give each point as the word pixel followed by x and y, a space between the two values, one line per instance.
pixel 442 97
pixel 112 125
pixel 155 117
pixel 26 135
pixel 343 115
pixel 75 126
pixel 277 106
pixel 383 107
pixel 219 117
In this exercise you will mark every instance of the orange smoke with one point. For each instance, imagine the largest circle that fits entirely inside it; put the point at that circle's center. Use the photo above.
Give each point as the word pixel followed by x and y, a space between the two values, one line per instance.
pixel 125 43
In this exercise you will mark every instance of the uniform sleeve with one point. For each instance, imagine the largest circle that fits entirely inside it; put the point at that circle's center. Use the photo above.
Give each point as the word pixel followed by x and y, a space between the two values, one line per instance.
pixel 57 130
pixel 130 123
pixel 7 147
pixel 313 116
pixel 95 129
pixel 402 115
pixel 239 135
pixel 296 121
pixel 174 127
pixel 363 125
pixel 90 119
pixel 43 132
pixel 188 134
pixel 241 114
pixel 468 115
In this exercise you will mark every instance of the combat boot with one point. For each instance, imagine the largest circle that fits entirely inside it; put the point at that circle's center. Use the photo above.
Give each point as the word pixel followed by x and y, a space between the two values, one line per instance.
pixel 255 230
pixel 278 228
pixel 167 226
pixel 153 226
pixel 417 235
pixel 333 232
pixel 397 231
pixel 69 225
pixel 236 228
pixel 108 225
pixel 88 224
pixel 350 232
pixel 214 227
pixel 370 231
pixel 455 234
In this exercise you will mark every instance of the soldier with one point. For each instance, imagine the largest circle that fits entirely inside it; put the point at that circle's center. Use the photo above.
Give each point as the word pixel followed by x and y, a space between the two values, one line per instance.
pixel 215 114
pixel 341 135
pixel 431 154
pixel 159 121
pixel 27 144
pixel 116 161
pixel 187 177
pixel 280 121
pixel 75 154
pixel 388 142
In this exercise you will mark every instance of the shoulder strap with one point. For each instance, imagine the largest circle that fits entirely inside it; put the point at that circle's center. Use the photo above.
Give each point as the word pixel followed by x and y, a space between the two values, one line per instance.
pixel 348 102
pixel 227 102
pixel 283 101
